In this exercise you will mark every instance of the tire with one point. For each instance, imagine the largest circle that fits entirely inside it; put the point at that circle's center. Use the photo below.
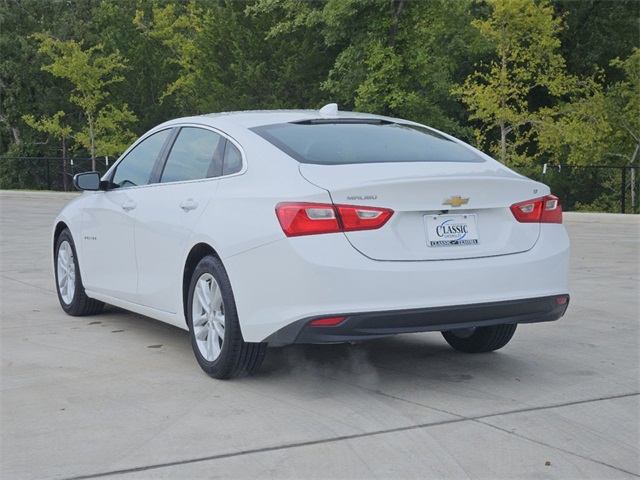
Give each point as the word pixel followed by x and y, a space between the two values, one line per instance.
pixel 480 339
pixel 73 299
pixel 214 328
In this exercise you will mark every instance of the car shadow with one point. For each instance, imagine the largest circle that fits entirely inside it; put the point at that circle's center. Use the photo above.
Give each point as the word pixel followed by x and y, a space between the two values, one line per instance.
pixel 417 356
pixel 422 357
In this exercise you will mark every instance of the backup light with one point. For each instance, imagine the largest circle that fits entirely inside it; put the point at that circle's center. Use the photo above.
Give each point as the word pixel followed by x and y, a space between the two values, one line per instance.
pixel 538 210
pixel 307 219
pixel 367 214
pixel 321 213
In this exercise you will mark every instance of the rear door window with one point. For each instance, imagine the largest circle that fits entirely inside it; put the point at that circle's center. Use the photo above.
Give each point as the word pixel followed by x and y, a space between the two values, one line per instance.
pixel 232 159
pixel 196 154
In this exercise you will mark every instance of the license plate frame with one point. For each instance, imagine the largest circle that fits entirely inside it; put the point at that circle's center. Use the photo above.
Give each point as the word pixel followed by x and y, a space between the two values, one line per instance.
pixel 448 230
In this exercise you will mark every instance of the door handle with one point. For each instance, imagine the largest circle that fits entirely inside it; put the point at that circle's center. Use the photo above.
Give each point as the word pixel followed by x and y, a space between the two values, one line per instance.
pixel 129 205
pixel 189 204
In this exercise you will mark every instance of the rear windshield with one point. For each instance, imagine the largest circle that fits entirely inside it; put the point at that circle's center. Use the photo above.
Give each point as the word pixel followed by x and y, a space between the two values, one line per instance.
pixel 356 141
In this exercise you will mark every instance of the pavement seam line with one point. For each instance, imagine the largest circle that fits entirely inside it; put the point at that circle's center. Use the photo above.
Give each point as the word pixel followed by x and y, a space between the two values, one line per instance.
pixel 266 449
pixel 27 284
pixel 481 417
pixel 356 436
pixel 560 405
pixel 553 447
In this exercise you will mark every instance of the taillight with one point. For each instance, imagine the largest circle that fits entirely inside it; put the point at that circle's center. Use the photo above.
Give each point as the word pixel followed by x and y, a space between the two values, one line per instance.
pixel 315 218
pixel 539 210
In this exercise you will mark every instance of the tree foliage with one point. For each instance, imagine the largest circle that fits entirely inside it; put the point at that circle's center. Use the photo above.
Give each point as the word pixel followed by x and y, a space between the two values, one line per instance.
pixel 177 28
pixel 394 57
pixel 624 108
pixel 504 93
pixel 597 32
pixel 90 72
pixel 24 87
pixel 529 81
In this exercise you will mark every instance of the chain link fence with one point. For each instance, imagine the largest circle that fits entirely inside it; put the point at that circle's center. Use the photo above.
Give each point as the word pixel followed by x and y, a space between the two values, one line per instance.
pixel 596 188
pixel 45 173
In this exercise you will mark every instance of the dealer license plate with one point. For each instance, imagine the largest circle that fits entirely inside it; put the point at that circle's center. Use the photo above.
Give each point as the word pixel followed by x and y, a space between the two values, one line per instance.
pixel 445 230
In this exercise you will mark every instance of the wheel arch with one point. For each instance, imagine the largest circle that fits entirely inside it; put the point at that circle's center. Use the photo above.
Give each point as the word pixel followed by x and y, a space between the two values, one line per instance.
pixel 80 303
pixel 197 253
pixel 59 228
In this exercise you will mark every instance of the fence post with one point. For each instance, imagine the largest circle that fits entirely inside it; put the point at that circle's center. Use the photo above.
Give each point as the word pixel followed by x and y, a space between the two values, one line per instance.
pixel 623 206
pixel 48 176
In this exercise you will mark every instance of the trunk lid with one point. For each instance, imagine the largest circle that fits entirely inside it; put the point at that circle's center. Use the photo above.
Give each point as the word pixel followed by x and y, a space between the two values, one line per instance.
pixel 431 219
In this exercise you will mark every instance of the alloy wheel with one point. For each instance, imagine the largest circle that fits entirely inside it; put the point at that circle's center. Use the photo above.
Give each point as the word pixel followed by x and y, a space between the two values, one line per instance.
pixel 66 272
pixel 208 317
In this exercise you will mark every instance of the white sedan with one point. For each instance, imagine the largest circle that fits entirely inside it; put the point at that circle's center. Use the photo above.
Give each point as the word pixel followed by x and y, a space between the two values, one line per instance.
pixel 256 229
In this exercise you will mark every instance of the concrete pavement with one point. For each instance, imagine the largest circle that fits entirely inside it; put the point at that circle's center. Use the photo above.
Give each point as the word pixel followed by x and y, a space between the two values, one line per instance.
pixel 118 395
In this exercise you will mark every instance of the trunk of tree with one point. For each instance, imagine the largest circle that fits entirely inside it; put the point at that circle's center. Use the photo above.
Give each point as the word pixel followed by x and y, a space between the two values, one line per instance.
pixel 633 178
pixel 16 135
pixel 65 166
pixel 15 129
pixel 395 19
pixel 503 142
pixel 503 106
pixel 93 144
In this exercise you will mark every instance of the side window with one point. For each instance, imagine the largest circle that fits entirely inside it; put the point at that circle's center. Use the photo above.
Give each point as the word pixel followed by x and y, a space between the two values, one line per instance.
pixel 232 160
pixel 135 169
pixel 193 156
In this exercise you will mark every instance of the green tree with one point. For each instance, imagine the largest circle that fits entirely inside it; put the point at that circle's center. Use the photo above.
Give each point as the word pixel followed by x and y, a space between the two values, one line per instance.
pixel 602 128
pixel 596 33
pixel 56 127
pixel 392 57
pixel 255 70
pixel 227 60
pixel 624 98
pixel 148 69
pixel 575 131
pixel 527 64
pixel 624 114
pixel 177 27
pixel 90 71
pixel 23 86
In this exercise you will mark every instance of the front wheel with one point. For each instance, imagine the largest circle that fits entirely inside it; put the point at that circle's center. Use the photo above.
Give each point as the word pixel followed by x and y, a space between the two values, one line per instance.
pixel 71 294
pixel 214 327
pixel 480 339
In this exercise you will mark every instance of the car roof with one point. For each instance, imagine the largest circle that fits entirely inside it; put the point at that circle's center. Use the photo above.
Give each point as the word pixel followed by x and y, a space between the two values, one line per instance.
pixel 256 118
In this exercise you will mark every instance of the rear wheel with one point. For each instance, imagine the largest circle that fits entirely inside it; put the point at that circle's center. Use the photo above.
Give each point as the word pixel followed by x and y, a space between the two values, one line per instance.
pixel 213 324
pixel 71 294
pixel 480 339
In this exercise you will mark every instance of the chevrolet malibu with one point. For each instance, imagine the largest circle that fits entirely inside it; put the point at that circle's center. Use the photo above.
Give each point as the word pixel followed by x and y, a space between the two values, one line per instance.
pixel 266 228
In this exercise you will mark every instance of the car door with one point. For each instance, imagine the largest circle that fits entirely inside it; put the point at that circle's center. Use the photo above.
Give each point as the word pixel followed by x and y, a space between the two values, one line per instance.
pixel 108 221
pixel 187 183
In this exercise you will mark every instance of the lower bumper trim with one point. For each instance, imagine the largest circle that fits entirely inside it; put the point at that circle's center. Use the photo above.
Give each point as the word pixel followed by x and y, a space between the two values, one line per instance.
pixel 366 326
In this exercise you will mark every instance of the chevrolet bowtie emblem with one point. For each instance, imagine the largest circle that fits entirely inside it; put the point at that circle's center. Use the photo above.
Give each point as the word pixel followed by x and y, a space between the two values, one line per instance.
pixel 456 201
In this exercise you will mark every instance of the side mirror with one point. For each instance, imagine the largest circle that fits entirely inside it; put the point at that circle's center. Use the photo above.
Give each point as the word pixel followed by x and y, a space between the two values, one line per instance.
pixel 87 181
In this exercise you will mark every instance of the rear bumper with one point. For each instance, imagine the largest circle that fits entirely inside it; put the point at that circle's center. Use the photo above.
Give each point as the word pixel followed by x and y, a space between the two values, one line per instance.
pixel 364 326
pixel 296 279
